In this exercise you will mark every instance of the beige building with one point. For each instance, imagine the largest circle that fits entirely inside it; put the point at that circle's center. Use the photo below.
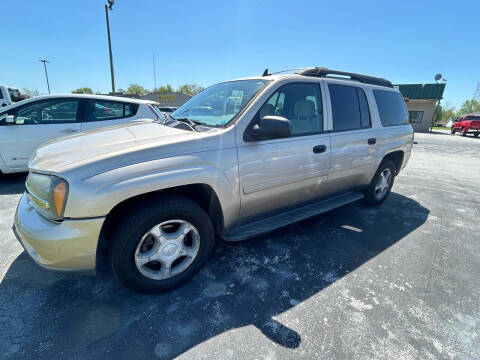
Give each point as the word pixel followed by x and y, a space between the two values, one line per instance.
pixel 421 100
pixel 173 99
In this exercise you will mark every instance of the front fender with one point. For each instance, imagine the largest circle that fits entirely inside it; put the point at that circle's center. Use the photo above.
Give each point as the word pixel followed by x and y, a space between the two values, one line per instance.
pixel 99 194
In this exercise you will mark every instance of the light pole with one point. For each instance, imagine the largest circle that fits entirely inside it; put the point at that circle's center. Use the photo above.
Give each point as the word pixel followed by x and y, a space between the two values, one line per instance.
pixel 46 74
pixel 437 78
pixel 154 76
pixel 109 7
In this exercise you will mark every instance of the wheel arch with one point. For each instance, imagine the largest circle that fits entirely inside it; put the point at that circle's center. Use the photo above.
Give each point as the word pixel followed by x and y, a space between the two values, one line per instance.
pixel 202 194
pixel 397 158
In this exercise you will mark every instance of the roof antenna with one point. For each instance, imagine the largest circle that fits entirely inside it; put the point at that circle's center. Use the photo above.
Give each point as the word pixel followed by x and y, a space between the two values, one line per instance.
pixel 265 73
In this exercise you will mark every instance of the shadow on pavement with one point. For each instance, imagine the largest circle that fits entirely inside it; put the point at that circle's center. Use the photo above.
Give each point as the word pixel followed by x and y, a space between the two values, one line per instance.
pixel 12 183
pixel 44 314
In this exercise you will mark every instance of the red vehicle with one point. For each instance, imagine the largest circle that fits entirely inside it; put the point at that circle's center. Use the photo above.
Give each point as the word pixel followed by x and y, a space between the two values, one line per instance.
pixel 467 124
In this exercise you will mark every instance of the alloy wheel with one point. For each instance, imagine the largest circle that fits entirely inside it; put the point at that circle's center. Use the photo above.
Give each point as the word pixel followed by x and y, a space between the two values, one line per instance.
pixel 383 183
pixel 167 249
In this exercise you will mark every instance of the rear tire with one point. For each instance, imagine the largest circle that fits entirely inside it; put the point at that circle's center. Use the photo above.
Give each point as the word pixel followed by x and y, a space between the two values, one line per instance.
pixel 130 236
pixel 381 184
pixel 476 134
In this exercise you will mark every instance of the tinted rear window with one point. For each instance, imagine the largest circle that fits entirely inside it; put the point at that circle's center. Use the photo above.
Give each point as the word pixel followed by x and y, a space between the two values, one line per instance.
pixel 473 118
pixel 99 110
pixel 349 107
pixel 391 108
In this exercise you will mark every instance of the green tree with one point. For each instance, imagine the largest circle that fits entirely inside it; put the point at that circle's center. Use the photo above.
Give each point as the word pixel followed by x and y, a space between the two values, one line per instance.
pixel 469 106
pixel 445 113
pixel 30 92
pixel 190 89
pixel 83 90
pixel 135 89
pixel 164 89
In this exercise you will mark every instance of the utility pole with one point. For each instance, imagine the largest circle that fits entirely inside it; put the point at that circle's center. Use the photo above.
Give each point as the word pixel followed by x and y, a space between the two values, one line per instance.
pixel 46 74
pixel 154 76
pixel 109 7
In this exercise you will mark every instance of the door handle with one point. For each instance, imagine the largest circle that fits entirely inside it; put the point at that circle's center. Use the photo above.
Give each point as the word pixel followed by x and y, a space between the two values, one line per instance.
pixel 69 131
pixel 372 141
pixel 319 149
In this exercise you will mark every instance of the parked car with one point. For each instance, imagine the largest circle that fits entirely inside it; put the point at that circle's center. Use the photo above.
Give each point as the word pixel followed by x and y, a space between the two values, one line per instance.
pixel 167 110
pixel 27 124
pixel 156 196
pixel 10 95
pixel 467 124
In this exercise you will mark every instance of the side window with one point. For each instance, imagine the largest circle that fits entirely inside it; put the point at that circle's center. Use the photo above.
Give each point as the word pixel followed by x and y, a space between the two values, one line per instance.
pixel 391 108
pixel 301 103
pixel 3 116
pixel 99 110
pixel 364 110
pixel 48 112
pixel 349 107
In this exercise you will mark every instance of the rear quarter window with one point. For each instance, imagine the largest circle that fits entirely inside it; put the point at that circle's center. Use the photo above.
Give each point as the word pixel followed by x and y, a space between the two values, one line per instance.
pixel 391 108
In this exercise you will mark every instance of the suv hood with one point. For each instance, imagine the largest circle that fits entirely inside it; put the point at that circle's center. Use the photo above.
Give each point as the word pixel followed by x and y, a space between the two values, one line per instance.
pixel 113 147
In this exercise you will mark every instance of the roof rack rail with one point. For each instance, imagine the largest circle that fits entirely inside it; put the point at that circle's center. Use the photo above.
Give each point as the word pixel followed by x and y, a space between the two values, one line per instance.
pixel 266 73
pixel 324 72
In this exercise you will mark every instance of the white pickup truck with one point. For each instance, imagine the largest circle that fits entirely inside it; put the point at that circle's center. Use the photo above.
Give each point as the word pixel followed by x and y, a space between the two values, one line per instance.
pixel 9 95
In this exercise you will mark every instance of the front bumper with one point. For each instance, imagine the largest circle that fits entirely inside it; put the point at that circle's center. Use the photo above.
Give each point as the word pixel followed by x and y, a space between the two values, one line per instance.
pixel 70 245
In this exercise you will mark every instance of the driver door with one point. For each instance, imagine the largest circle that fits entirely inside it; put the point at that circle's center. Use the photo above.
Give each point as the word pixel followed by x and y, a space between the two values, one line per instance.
pixel 280 173
pixel 36 123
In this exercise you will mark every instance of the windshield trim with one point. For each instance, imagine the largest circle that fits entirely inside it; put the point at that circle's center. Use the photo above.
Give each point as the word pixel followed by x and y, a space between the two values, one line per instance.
pixel 242 111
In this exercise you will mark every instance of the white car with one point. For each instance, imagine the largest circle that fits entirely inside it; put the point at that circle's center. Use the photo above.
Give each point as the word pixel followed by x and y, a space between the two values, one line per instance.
pixel 28 123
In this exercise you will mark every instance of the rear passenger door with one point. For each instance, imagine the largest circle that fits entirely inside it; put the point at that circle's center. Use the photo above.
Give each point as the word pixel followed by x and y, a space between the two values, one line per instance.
pixel 103 113
pixel 354 141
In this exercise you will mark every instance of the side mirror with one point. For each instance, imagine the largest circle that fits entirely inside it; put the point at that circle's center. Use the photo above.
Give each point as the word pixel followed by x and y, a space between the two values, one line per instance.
pixel 10 119
pixel 272 127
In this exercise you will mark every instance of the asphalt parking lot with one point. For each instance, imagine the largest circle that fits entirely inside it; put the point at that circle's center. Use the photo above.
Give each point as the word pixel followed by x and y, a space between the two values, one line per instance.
pixel 397 281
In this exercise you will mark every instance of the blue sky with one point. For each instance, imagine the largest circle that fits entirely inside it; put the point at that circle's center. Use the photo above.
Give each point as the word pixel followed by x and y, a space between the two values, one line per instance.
pixel 209 41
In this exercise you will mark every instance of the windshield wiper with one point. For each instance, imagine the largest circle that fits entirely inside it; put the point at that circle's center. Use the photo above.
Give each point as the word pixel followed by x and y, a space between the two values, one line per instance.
pixel 192 123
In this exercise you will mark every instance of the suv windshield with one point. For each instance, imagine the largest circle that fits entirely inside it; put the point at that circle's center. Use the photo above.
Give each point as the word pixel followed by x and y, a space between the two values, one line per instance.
pixel 220 103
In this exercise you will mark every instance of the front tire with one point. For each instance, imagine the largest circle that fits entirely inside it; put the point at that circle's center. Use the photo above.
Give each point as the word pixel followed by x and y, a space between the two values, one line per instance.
pixel 381 184
pixel 161 244
pixel 452 131
pixel 464 132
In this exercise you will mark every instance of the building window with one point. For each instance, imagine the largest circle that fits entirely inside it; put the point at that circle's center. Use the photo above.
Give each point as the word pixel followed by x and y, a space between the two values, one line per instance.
pixel 415 116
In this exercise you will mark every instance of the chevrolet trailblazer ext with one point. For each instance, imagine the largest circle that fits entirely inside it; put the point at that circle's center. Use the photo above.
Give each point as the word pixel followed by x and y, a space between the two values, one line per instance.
pixel 240 159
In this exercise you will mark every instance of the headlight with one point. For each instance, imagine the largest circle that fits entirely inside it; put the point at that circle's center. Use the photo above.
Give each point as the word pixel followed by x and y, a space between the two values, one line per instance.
pixel 48 193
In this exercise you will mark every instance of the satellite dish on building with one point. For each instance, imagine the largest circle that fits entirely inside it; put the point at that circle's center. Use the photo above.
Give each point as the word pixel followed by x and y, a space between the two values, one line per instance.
pixel 438 77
